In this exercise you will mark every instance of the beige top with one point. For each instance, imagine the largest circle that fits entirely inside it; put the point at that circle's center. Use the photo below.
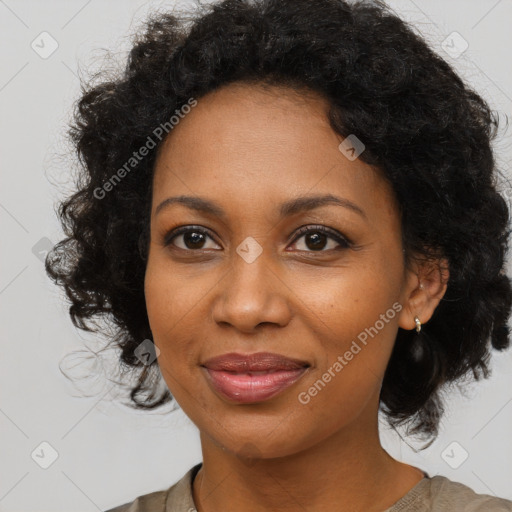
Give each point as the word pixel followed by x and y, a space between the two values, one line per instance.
pixel 431 494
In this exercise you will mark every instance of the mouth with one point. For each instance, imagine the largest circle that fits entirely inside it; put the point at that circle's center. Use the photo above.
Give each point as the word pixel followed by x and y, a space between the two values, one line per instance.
pixel 252 378
pixel 252 387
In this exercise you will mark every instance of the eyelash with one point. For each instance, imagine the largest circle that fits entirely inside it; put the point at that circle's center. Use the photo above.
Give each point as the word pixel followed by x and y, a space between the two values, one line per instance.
pixel 344 242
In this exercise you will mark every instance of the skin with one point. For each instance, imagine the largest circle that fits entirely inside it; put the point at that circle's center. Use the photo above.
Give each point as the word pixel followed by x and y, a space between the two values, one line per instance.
pixel 249 149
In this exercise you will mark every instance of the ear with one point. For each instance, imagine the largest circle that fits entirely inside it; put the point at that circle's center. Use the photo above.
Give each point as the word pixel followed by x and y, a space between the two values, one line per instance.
pixel 425 286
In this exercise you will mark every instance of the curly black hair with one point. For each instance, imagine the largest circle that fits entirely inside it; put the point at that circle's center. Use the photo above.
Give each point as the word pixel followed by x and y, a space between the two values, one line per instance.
pixel 427 130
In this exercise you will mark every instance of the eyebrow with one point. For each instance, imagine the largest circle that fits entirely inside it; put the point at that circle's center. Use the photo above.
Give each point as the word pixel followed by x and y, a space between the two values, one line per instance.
pixel 291 207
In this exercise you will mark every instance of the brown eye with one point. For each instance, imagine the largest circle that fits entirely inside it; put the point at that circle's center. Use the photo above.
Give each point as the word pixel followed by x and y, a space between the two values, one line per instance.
pixel 192 238
pixel 316 238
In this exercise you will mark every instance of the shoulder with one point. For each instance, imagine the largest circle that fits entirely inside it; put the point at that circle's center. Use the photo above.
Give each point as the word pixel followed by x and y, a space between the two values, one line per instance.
pixel 440 494
pixel 177 498
pixel 154 501
pixel 456 494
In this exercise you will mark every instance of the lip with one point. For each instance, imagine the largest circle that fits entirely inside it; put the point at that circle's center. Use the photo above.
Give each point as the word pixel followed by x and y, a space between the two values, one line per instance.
pixel 259 361
pixel 250 378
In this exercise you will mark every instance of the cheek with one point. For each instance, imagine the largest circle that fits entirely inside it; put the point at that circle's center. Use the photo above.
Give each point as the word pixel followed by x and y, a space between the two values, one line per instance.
pixel 349 372
pixel 175 304
pixel 169 295
pixel 353 317
pixel 341 302
pixel 167 303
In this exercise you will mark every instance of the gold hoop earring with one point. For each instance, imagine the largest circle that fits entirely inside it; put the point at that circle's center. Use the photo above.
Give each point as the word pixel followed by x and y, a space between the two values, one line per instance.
pixel 418 324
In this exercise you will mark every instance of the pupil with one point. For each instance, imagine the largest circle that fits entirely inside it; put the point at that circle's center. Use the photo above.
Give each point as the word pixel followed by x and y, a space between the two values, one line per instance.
pixel 194 238
pixel 318 240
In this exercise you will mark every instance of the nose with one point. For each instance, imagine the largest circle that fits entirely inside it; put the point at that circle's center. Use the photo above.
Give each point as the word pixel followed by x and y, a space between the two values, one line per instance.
pixel 252 294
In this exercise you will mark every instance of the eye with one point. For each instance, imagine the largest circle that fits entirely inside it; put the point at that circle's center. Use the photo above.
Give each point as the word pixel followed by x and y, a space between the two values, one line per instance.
pixel 316 238
pixel 192 237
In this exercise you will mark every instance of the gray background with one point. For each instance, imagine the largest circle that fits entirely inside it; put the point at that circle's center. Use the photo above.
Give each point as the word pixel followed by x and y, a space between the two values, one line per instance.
pixel 108 454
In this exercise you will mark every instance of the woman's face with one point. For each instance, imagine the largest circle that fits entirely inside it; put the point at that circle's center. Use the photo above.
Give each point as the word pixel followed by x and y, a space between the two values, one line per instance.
pixel 244 280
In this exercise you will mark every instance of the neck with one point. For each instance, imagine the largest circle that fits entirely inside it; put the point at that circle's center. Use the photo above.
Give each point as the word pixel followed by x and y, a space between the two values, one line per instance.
pixel 349 467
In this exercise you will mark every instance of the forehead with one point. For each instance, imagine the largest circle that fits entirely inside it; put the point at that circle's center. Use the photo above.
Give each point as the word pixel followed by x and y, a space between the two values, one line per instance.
pixel 253 144
pixel 245 121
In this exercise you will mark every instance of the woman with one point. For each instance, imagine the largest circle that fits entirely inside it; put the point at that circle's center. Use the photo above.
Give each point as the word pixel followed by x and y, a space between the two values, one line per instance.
pixel 292 205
